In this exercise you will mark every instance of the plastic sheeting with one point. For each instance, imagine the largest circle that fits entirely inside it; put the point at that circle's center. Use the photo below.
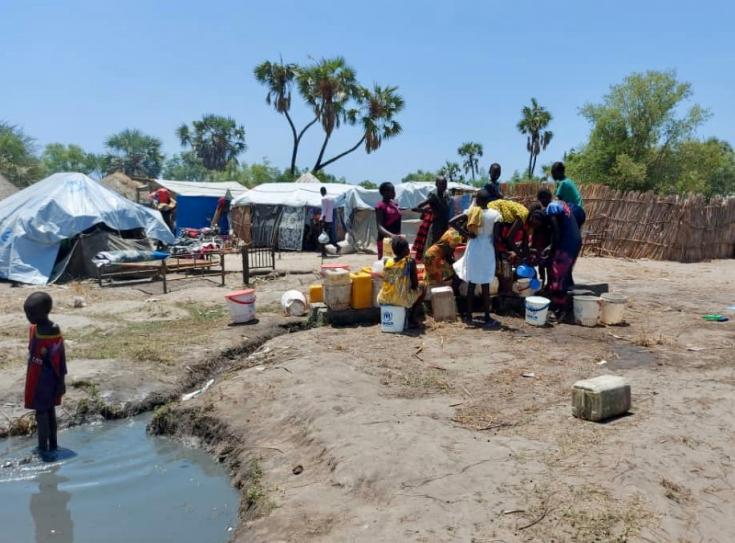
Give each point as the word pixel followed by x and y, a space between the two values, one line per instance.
pixel 290 194
pixel 34 222
pixel 203 188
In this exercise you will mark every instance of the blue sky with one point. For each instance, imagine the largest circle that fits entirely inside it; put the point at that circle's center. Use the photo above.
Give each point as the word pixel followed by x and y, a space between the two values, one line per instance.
pixel 77 71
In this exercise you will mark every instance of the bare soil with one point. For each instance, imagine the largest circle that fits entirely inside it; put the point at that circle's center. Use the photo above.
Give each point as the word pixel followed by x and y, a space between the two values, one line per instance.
pixel 453 434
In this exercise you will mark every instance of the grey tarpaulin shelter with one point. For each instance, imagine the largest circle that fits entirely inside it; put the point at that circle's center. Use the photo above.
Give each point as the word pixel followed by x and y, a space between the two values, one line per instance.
pixel 37 221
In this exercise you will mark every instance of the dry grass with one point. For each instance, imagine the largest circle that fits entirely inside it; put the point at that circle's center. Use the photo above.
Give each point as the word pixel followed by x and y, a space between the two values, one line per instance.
pixel 157 341
pixel 675 492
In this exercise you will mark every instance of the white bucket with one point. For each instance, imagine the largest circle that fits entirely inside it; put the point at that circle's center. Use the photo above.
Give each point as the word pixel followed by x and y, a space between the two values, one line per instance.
pixel 294 303
pixel 337 297
pixel 537 309
pixel 586 310
pixel 612 308
pixel 241 304
pixel 392 318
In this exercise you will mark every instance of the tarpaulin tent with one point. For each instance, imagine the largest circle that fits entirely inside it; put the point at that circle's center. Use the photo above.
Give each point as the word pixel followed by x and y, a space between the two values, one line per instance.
pixel 37 220
pixel 359 205
pixel 282 213
pixel 196 201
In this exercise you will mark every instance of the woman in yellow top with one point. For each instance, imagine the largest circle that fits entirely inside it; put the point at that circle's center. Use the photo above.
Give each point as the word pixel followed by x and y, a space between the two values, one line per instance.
pixel 511 240
pixel 401 285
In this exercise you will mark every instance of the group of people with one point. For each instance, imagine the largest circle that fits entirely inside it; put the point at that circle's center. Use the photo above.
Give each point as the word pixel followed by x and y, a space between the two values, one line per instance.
pixel 498 233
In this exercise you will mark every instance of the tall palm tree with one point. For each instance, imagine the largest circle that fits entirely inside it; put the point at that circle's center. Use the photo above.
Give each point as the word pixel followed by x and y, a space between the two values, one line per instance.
pixel 377 108
pixel 133 153
pixel 534 120
pixel 217 141
pixel 328 86
pixel 471 151
pixel 279 79
pixel 450 170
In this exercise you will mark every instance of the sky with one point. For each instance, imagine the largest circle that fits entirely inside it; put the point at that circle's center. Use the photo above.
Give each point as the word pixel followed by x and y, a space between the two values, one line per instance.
pixel 77 71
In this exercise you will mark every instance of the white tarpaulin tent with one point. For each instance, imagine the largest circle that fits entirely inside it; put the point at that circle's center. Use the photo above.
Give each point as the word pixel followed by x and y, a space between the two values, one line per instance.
pixel 290 194
pixel 35 221
pixel 203 188
pixel 307 177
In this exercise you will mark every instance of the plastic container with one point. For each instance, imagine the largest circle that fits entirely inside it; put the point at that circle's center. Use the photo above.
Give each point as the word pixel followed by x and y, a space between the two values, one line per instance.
pixel 612 308
pixel 294 303
pixel 442 304
pixel 337 296
pixel 525 271
pixel 600 398
pixel 586 310
pixel 522 287
pixel 316 293
pixel 537 310
pixel 377 266
pixel 377 280
pixel 392 318
pixel 336 277
pixel 362 291
pixel 332 266
pixel 387 248
pixel 241 304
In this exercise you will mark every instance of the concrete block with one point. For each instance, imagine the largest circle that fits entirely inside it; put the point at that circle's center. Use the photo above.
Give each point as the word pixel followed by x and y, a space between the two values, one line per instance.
pixel 600 398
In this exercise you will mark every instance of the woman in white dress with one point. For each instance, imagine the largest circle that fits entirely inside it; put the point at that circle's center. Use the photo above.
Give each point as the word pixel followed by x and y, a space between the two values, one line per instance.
pixel 477 265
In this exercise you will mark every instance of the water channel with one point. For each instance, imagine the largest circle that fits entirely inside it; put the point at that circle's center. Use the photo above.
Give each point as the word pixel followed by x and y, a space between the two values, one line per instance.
pixel 113 483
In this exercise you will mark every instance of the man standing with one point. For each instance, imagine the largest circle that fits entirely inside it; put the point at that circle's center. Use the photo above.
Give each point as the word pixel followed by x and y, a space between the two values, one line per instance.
pixel 440 203
pixel 493 186
pixel 328 223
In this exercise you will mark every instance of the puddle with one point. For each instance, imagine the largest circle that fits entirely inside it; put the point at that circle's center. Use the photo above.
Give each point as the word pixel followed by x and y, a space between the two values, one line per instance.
pixel 112 482
pixel 630 357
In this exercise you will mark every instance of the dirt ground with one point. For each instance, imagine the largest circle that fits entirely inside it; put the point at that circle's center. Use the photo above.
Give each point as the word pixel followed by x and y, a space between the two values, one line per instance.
pixel 453 434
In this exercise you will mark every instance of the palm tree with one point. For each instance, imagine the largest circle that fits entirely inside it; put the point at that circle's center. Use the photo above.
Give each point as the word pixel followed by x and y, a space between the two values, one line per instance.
pixel 279 79
pixel 327 87
pixel 216 141
pixel 471 152
pixel 133 153
pixel 533 122
pixel 377 110
pixel 450 170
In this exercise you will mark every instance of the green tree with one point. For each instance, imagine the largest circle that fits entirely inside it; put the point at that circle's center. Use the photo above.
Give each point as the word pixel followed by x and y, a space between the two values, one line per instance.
pixel 17 160
pixel 58 157
pixel 533 123
pixel 185 167
pixel 215 140
pixel 367 184
pixel 419 175
pixel 637 130
pixel 279 79
pixel 452 171
pixel 705 167
pixel 328 86
pixel 376 113
pixel 471 152
pixel 133 153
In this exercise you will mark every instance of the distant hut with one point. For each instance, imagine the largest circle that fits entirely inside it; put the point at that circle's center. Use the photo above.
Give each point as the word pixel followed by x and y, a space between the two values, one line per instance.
pixel 123 185
pixel 6 188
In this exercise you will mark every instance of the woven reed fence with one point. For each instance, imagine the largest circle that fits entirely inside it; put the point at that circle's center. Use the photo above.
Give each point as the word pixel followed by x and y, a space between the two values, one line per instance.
pixel 645 225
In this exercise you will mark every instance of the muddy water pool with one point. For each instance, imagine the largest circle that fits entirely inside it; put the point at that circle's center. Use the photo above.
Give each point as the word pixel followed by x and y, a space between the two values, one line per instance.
pixel 111 482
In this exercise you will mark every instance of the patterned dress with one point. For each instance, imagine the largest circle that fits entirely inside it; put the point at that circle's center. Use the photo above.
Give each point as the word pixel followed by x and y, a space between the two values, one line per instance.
pixel 438 258
pixel 396 288
pixel 46 369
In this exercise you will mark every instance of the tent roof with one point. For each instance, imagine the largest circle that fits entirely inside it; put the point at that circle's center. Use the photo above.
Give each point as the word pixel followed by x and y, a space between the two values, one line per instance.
pixel 307 177
pixel 34 222
pixel 122 184
pixel 290 194
pixel 6 188
pixel 203 188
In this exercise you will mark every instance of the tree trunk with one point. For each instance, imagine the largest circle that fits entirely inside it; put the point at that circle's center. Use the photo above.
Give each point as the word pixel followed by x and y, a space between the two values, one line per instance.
pixel 347 152
pixel 533 166
pixel 530 162
pixel 295 142
pixel 472 168
pixel 318 166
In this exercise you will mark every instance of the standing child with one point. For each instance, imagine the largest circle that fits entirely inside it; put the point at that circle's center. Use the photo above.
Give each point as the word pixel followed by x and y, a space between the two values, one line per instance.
pixel 46 369
pixel 477 266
